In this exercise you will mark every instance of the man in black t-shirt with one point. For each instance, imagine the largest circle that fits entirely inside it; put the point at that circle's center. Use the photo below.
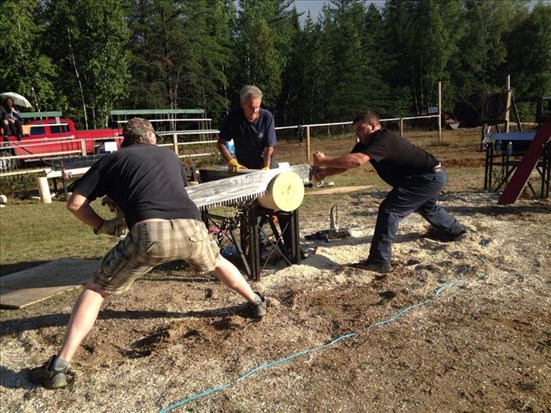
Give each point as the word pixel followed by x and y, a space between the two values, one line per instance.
pixel 415 175
pixel 147 183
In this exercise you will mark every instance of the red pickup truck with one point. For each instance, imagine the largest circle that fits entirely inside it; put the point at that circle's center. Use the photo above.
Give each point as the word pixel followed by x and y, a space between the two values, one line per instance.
pixel 54 137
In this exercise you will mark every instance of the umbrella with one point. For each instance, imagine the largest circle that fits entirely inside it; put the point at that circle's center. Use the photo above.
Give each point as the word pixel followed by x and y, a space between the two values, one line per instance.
pixel 17 99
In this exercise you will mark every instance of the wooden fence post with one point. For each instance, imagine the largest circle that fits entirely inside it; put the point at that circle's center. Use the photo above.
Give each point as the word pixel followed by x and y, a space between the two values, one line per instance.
pixel 308 152
pixel 439 111
pixel 175 142
pixel 44 189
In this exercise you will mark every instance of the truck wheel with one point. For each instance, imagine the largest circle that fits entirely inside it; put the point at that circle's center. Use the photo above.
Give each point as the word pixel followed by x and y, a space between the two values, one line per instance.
pixel 7 165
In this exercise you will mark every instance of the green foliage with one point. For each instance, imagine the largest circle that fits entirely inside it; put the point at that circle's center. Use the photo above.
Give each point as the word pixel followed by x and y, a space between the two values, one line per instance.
pixel 87 41
pixel 530 66
pixel 263 30
pixel 25 69
pixel 106 61
pixel 180 54
pixel 87 57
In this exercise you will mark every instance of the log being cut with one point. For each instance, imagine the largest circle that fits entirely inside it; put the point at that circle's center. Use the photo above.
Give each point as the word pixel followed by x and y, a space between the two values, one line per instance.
pixel 278 189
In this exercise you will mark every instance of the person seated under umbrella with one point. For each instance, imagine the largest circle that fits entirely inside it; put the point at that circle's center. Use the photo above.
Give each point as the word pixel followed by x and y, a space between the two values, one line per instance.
pixel 12 123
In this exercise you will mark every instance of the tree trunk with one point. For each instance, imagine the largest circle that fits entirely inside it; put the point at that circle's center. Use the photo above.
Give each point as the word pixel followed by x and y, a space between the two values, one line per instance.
pixel 73 59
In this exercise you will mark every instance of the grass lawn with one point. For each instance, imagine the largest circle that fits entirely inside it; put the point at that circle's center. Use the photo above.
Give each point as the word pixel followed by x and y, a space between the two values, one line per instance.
pixel 33 233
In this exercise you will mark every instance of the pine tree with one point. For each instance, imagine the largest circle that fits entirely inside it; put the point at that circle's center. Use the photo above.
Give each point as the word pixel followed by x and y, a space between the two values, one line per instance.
pixel 25 68
pixel 529 53
pixel 87 45
pixel 262 34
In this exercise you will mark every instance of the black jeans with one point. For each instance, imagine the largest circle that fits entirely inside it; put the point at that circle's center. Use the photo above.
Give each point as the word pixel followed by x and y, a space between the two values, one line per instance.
pixel 417 193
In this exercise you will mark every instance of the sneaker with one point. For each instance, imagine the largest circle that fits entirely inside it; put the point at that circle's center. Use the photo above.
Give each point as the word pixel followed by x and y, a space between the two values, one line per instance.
pixel 258 310
pixel 49 376
pixel 382 267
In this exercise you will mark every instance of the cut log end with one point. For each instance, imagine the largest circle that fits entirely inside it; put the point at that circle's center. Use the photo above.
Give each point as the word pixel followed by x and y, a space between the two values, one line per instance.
pixel 285 192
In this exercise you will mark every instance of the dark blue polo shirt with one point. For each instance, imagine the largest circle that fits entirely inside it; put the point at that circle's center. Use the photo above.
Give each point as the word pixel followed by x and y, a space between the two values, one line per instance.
pixel 250 139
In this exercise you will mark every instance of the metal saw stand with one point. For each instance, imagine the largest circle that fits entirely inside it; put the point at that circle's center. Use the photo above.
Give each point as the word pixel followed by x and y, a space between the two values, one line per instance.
pixel 244 234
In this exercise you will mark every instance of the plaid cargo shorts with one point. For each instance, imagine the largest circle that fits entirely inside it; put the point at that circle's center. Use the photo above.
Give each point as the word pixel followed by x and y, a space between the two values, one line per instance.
pixel 152 243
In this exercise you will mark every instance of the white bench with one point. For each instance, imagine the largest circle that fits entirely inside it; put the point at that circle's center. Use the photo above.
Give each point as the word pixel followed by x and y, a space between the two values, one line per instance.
pixel 42 181
pixel 64 168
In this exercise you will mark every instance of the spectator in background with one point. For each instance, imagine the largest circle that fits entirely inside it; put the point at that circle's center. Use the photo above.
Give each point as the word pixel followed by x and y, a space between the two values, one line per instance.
pixel 3 115
pixel 11 120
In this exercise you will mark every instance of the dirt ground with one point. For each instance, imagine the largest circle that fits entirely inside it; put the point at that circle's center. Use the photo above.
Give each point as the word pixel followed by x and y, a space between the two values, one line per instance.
pixel 456 327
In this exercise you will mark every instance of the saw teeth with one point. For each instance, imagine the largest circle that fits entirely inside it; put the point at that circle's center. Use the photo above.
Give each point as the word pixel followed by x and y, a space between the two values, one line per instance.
pixel 208 194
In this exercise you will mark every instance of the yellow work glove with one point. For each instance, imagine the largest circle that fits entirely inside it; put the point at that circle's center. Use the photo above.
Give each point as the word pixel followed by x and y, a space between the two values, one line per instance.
pixel 266 168
pixel 233 166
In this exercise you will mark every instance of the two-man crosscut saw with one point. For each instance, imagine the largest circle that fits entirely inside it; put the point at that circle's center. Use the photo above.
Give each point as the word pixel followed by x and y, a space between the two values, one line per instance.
pixel 240 188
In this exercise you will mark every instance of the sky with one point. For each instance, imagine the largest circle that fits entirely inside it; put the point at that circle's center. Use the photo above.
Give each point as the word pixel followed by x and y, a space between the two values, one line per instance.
pixel 315 6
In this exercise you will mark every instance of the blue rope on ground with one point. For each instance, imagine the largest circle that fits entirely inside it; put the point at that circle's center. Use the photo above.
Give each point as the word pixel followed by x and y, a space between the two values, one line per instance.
pixel 435 294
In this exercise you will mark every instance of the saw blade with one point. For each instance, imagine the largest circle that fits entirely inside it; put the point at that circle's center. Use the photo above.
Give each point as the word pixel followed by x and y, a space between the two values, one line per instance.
pixel 240 188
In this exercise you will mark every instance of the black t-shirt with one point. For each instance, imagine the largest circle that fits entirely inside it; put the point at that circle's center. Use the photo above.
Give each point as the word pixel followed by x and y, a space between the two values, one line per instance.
pixel 145 181
pixel 394 157
pixel 249 139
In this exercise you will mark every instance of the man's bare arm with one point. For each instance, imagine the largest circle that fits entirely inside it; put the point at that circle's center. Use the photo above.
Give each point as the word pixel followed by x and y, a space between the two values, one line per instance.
pixel 81 208
pixel 338 165
pixel 348 161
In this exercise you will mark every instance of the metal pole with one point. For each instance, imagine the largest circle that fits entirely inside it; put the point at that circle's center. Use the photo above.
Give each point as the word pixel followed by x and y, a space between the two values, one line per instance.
pixel 308 153
pixel 508 109
pixel 439 111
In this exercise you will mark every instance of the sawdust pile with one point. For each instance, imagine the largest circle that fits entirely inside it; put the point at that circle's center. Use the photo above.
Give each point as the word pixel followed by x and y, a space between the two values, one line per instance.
pixel 482 344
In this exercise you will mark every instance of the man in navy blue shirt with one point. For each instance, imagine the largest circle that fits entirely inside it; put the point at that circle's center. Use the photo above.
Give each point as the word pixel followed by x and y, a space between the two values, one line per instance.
pixel 415 175
pixel 252 130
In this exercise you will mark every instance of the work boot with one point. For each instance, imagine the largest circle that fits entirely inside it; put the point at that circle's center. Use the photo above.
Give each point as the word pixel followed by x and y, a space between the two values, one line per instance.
pixel 51 375
pixel 381 267
pixel 441 236
pixel 258 306
pixel 462 235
